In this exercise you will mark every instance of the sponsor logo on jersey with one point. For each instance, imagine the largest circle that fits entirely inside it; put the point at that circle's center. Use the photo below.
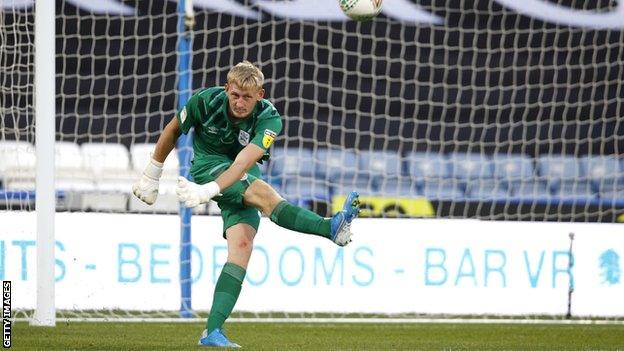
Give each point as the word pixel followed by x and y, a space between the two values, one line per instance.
pixel 183 115
pixel 243 137
pixel 268 138
pixel 213 130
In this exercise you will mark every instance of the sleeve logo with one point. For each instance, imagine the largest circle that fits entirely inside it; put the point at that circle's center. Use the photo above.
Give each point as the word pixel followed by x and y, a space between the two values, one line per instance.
pixel 268 138
pixel 183 115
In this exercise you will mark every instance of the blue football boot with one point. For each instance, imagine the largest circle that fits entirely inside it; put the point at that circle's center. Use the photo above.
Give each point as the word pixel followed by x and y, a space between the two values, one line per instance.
pixel 341 221
pixel 216 338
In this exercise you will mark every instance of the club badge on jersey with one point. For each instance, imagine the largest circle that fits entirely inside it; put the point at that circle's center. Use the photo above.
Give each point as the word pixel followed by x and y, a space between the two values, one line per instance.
pixel 243 137
pixel 268 138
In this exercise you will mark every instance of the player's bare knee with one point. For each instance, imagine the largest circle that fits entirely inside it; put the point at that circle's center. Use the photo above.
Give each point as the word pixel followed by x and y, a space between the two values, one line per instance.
pixel 243 245
pixel 258 188
pixel 262 196
pixel 239 251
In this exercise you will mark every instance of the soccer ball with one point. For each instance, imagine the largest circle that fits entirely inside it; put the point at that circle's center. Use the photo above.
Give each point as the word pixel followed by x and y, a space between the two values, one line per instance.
pixel 361 10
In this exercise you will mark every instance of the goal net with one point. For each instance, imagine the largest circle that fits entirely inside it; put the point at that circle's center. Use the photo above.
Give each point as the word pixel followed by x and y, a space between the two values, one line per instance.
pixel 493 109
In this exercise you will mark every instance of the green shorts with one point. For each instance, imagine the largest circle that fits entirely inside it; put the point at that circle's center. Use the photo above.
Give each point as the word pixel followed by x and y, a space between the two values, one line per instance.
pixel 233 210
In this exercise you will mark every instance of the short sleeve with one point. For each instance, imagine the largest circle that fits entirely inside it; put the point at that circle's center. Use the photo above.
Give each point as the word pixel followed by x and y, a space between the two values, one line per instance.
pixel 267 128
pixel 189 114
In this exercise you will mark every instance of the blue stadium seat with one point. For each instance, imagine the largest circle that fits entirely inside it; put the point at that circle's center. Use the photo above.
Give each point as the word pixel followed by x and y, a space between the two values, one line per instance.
pixel 363 186
pixel 611 189
pixel 335 164
pixel 423 166
pixel 487 190
pixel 289 162
pixel 443 190
pixel 601 167
pixel 398 187
pixel 303 190
pixel 467 166
pixel 431 173
pixel 529 190
pixel 606 176
pixel 575 190
pixel 556 169
pixel 381 164
pixel 516 174
pixel 512 168
pixel 17 165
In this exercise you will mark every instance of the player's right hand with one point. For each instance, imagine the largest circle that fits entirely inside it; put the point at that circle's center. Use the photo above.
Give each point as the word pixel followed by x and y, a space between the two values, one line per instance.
pixel 191 194
pixel 146 188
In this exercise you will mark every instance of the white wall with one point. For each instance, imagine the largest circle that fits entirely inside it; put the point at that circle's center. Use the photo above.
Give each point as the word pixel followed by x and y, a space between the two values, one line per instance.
pixel 392 266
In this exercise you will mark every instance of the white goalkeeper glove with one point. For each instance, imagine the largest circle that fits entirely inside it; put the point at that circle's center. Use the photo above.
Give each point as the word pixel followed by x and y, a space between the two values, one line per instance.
pixel 192 194
pixel 146 188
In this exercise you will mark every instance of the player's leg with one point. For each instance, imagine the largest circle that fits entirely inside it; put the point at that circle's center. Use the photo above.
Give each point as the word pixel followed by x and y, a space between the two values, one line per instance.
pixel 240 243
pixel 261 195
pixel 253 191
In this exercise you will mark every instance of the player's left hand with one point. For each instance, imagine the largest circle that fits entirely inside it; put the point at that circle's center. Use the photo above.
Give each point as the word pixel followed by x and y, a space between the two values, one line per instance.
pixel 192 194
pixel 146 188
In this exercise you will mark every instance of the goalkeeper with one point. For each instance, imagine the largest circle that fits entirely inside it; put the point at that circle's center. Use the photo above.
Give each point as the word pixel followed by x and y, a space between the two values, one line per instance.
pixel 234 128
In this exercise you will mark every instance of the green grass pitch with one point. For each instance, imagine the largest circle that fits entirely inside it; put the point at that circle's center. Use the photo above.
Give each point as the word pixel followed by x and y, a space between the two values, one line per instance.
pixel 316 336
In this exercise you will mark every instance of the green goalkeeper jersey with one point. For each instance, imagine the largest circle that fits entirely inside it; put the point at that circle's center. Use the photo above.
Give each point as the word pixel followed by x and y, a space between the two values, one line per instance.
pixel 217 135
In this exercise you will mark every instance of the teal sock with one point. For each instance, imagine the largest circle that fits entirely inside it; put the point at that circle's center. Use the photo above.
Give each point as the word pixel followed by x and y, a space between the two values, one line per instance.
pixel 300 220
pixel 226 293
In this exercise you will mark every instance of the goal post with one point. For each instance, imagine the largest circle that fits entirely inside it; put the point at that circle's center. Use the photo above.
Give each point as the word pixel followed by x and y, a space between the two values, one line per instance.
pixel 45 312
pixel 184 146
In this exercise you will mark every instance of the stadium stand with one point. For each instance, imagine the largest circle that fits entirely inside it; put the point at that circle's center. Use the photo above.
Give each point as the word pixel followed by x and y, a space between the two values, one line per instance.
pixel 99 176
pixel 336 164
pixel 381 164
pixel 302 191
pixel 287 163
pixel 340 171
pixel 530 190
pixel 444 189
pixel 426 166
pixel 71 175
pixel 579 191
pixel 470 166
pixel 557 169
pixel 474 172
pixel 511 169
pixel 486 190
pixel 432 172
pixel 610 190
pixel 17 165
pixel 110 165
pixel 378 167
pixel 398 187
pixel 72 178
pixel 565 179
pixel 604 175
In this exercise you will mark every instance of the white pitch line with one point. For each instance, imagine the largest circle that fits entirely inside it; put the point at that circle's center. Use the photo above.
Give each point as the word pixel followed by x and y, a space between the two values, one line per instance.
pixel 347 320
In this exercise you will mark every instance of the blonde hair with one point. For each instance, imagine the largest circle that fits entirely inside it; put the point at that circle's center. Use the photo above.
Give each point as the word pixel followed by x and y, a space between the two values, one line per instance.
pixel 246 76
